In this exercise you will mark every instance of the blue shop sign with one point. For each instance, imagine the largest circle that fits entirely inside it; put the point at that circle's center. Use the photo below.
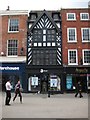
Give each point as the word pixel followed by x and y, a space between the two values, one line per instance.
pixel 15 67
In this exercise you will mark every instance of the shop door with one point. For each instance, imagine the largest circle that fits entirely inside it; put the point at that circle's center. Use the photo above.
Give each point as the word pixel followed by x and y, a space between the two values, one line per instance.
pixel 44 84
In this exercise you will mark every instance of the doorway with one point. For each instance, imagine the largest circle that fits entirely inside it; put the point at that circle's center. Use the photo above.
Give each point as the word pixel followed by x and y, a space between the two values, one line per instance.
pixel 44 83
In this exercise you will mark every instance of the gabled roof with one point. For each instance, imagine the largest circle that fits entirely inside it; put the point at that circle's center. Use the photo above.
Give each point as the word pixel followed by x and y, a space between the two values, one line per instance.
pixel 50 18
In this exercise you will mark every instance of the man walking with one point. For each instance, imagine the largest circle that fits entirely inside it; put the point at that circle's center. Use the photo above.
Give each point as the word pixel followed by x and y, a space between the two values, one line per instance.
pixel 8 92
pixel 18 91
pixel 78 89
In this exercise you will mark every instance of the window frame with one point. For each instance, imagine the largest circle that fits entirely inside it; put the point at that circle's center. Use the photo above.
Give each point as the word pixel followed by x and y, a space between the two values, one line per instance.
pixel 82 18
pixel 83 56
pixel 76 57
pixel 71 19
pixel 8 50
pixel 82 35
pixel 9 25
pixel 72 41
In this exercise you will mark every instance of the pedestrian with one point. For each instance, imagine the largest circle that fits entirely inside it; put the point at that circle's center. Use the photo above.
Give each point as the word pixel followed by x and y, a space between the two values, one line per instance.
pixel 18 90
pixel 79 89
pixel 8 92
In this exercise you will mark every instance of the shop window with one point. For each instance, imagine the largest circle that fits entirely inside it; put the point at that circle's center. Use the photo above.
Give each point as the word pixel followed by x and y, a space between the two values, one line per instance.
pixel 55 83
pixel 88 84
pixel 13 25
pixel 69 84
pixel 34 83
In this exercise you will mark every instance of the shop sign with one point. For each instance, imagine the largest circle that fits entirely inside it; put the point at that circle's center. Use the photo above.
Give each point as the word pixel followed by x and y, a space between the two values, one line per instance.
pixel 9 68
pixel 81 70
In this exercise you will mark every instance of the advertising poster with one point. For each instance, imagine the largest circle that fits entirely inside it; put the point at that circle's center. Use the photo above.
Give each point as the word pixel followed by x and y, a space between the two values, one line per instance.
pixel 69 82
pixel 34 81
pixel 53 82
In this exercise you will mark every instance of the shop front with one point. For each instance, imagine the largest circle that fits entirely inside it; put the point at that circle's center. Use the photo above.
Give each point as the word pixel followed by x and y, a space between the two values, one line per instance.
pixel 42 80
pixel 74 74
pixel 13 72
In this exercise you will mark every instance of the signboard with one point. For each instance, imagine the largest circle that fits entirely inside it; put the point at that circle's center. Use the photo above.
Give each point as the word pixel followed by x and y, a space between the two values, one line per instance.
pixel 53 82
pixel 35 81
pixel 69 82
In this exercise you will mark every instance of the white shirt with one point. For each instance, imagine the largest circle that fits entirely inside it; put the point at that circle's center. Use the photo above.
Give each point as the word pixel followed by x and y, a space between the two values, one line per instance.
pixel 8 86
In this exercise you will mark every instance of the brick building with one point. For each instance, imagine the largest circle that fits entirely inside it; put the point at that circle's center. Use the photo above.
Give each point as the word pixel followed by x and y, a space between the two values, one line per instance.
pixel 76 47
pixel 13 35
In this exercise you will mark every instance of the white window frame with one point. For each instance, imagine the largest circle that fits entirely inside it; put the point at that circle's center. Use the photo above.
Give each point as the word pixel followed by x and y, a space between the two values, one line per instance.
pixel 73 41
pixel 83 56
pixel 72 14
pixel 76 57
pixel 82 35
pixel 9 26
pixel 7 50
pixel 82 18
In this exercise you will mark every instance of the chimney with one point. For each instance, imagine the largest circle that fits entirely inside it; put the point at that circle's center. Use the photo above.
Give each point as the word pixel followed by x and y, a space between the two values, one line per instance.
pixel 8 8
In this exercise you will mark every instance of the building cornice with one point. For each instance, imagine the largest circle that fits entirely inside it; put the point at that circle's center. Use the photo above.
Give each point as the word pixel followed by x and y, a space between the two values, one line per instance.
pixel 13 12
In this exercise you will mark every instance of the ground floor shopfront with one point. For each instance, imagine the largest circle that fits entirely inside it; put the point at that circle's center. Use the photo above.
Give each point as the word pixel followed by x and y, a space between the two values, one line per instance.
pixel 43 79
pixel 56 79
pixel 13 72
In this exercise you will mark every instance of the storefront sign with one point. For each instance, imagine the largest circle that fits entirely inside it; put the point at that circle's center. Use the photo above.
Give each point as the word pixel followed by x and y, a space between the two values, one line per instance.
pixel 9 68
pixel 83 70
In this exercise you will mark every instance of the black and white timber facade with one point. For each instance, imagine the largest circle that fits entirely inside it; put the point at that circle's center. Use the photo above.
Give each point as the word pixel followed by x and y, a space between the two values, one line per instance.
pixel 44 51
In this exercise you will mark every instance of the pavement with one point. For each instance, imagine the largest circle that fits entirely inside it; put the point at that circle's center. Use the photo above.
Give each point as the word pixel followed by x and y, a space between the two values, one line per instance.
pixel 41 106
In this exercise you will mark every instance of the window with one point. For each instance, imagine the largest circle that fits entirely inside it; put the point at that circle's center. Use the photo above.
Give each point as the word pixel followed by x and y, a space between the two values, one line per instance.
pixel 71 16
pixel 85 34
pixel 33 16
pixel 51 35
pixel 12 47
pixel 71 32
pixel 84 16
pixel 13 25
pixel 44 57
pixel 86 57
pixel 37 35
pixel 56 16
pixel 72 57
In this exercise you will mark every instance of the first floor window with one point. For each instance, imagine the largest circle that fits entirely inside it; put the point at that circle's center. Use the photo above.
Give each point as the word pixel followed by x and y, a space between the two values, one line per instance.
pixel 86 57
pixel 13 25
pixel 12 46
pixel 71 34
pixel 85 34
pixel 72 57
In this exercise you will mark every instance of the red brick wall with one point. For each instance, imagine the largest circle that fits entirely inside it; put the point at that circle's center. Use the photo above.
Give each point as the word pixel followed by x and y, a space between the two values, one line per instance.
pixel 78 25
pixel 21 36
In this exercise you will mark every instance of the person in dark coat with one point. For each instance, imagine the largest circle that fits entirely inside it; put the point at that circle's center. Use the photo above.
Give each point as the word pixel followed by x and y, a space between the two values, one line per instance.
pixel 18 91
pixel 79 89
